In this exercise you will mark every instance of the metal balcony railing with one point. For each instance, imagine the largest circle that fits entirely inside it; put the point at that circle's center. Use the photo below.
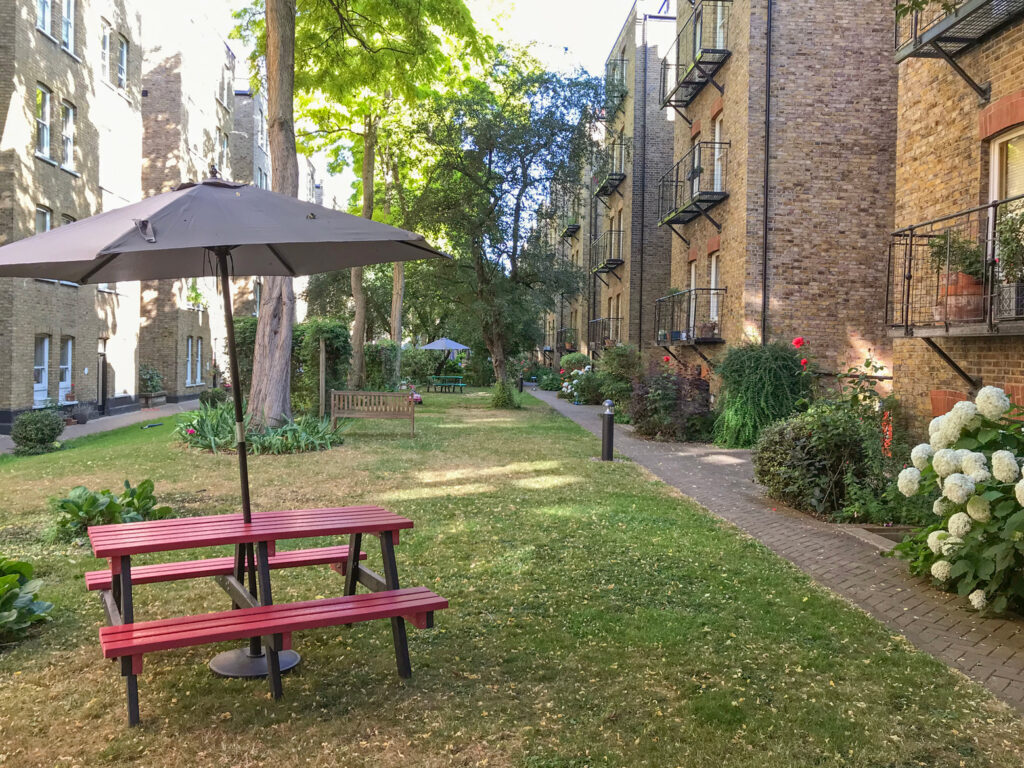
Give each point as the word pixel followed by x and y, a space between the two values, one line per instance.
pixel 699 51
pixel 944 29
pixel 616 87
pixel 689 317
pixel 604 332
pixel 567 340
pixel 610 169
pixel 961 274
pixel 606 251
pixel 569 225
pixel 695 185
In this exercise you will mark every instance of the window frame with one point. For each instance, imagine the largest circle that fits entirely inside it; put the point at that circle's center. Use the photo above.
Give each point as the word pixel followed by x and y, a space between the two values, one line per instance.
pixel 105 50
pixel 713 285
pixel 48 212
pixel 43 117
pixel 44 13
pixel 67 140
pixel 65 382
pixel 997 180
pixel 67 25
pixel 197 377
pixel 122 62
pixel 188 361
pixel 43 382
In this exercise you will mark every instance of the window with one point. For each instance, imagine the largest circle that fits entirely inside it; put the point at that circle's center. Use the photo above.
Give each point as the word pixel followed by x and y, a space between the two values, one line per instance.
pixel 122 63
pixel 261 179
pixel 42 120
pixel 713 310
pixel 693 297
pixel 41 372
pixel 106 287
pixel 198 377
pixel 261 128
pixel 105 53
pixel 1008 167
pixel 64 390
pixel 719 155
pixel 43 215
pixel 67 135
pixel 43 12
pixel 67 26
pixel 222 151
pixel 188 362
pixel 695 168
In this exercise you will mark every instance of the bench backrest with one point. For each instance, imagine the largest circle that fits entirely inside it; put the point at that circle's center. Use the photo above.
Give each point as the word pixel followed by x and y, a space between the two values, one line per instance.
pixel 371 402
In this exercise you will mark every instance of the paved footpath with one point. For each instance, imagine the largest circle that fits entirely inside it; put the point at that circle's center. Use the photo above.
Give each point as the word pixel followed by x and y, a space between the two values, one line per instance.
pixel 107 423
pixel 988 650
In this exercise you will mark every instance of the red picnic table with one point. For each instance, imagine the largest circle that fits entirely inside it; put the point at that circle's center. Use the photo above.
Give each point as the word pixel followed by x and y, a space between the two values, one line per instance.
pixel 253 614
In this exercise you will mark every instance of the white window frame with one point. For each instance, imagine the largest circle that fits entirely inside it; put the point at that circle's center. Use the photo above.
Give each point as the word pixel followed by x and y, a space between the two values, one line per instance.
pixel 692 320
pixel 261 128
pixel 67 26
pixel 188 362
pixel 719 153
pixel 122 62
pixel 996 181
pixel 64 386
pixel 695 169
pixel 105 52
pixel 44 15
pixel 67 135
pixel 44 96
pixel 197 378
pixel 42 209
pixel 713 304
pixel 41 373
pixel 721 17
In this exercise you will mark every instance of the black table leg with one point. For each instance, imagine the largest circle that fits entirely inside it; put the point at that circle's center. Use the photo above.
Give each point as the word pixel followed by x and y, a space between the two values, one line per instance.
pixel 387 551
pixel 255 643
pixel 128 617
pixel 273 661
pixel 355 543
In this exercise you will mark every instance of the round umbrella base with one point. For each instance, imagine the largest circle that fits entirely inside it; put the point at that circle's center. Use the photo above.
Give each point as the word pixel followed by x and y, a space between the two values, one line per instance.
pixel 240 663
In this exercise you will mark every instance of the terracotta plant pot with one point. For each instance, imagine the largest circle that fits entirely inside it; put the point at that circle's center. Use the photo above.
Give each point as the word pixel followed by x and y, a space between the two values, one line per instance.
pixel 961 298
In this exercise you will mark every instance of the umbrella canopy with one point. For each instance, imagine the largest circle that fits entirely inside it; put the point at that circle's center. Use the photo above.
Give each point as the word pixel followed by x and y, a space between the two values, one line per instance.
pixel 446 345
pixel 173 234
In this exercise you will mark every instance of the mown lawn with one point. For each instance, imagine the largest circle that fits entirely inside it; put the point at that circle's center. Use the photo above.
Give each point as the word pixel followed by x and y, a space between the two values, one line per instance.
pixel 597 619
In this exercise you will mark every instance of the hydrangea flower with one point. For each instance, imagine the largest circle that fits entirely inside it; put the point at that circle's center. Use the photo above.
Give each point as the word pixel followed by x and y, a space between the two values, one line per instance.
pixel 941 569
pixel 992 403
pixel 979 509
pixel 959 488
pixel 960 525
pixel 1005 467
pixel 964 415
pixel 935 539
pixel 935 424
pixel 920 455
pixel 945 462
pixel 909 481
pixel 951 545
pixel 941 507
pixel 975 465
pixel 942 439
pixel 978 599
pixel 1018 491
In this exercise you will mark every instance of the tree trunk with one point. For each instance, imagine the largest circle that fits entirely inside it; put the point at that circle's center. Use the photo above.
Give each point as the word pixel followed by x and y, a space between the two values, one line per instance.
pixel 397 296
pixel 357 369
pixel 496 346
pixel 270 395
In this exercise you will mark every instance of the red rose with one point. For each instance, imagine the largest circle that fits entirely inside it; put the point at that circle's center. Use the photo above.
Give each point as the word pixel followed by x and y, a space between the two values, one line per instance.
pixel 798 342
pixel 804 362
pixel 562 371
pixel 666 358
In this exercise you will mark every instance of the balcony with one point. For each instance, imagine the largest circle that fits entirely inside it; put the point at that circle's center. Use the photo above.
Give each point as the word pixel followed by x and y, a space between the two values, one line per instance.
pixel 699 51
pixel 569 226
pixel 959 275
pixel 615 87
pixel 606 251
pixel 566 340
pixel 945 29
pixel 610 169
pixel 604 332
pixel 689 317
pixel 695 185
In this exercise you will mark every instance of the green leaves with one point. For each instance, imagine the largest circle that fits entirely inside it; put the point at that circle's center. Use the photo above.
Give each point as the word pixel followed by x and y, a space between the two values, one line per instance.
pixel 18 607
pixel 82 508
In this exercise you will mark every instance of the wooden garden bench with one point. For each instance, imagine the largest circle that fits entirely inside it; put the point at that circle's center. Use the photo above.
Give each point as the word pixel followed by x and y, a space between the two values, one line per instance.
pixel 373 405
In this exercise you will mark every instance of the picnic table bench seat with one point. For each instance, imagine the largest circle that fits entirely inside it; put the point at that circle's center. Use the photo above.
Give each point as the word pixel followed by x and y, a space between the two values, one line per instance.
pixel 442 383
pixel 220 566
pixel 416 604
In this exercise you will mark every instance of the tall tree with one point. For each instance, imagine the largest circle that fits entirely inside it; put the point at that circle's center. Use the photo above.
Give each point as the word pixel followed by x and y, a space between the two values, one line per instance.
pixel 270 394
pixel 497 145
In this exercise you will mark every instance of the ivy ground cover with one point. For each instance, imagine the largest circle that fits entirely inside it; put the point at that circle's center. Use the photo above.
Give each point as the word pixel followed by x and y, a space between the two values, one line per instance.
pixel 597 619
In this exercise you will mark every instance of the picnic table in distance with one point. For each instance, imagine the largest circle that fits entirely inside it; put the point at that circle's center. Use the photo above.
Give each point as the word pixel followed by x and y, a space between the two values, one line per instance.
pixel 446 383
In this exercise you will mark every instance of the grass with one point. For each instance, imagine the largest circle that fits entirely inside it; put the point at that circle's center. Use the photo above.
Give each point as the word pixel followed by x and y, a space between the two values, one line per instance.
pixel 597 619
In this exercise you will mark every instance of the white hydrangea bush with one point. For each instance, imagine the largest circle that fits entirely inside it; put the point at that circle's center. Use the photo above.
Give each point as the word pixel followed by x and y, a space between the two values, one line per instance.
pixel 973 459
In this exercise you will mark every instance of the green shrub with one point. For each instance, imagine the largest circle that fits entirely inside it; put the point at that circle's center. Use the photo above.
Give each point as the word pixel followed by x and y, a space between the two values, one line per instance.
pixel 621 363
pixel 35 432
pixel 213 396
pixel 505 396
pixel 382 366
pixel 574 361
pixel 550 382
pixel 478 369
pixel 150 379
pixel 19 608
pixel 213 429
pixel 418 365
pixel 668 405
pixel 585 387
pixel 82 508
pixel 760 385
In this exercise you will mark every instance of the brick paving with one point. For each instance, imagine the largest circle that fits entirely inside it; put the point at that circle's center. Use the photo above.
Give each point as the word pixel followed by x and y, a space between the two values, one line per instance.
pixel 988 650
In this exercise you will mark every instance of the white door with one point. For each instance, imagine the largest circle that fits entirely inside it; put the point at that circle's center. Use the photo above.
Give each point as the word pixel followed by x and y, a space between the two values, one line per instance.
pixel 41 372
pixel 719 155
pixel 698 31
pixel 721 15
pixel 695 171
pixel 693 300
pixel 713 306
pixel 64 384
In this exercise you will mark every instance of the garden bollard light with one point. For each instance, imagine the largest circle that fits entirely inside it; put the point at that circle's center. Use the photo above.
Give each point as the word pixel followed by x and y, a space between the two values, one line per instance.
pixel 607 430
pixel 519 384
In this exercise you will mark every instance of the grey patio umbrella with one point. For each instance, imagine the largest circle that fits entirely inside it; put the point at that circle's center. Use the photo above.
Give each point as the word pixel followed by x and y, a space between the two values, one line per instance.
pixel 214 227
pixel 445 344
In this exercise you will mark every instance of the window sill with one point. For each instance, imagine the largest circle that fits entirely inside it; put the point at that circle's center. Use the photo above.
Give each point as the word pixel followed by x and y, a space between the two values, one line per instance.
pixel 47 35
pixel 122 92
pixel 72 171
pixel 68 283
pixel 70 53
pixel 46 159
pixel 111 291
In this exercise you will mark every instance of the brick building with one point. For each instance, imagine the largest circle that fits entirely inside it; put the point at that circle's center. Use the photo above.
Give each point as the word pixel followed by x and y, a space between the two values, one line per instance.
pixel 187 111
pixel 956 284
pixel 778 233
pixel 629 254
pixel 70 80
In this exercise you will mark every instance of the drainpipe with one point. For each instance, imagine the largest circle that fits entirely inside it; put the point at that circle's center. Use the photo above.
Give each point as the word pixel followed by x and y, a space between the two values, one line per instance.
pixel 767 163
pixel 643 190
